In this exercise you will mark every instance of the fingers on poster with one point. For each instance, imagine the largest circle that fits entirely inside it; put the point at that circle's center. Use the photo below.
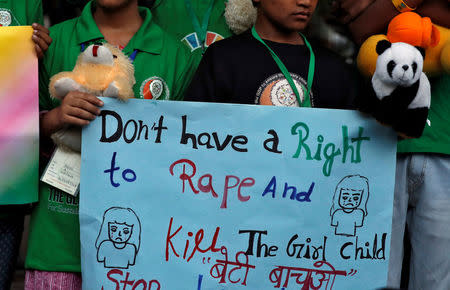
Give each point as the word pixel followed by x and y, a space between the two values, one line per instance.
pixel 119 238
pixel 349 205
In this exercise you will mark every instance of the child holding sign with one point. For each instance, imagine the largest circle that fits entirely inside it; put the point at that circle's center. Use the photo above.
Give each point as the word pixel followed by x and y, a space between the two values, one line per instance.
pixel 274 64
pixel 422 185
pixel 17 13
pixel 160 70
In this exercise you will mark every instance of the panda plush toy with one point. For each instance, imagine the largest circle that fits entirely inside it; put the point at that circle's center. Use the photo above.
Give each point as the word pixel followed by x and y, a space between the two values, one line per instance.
pixel 399 93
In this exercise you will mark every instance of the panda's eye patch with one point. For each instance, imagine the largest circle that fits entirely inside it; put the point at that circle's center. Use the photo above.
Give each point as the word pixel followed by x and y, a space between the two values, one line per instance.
pixel 414 67
pixel 390 67
pixel 115 56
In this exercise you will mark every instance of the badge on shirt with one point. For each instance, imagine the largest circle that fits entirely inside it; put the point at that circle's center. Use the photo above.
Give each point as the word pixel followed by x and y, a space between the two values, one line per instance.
pixel 7 18
pixel 192 41
pixel 154 88
pixel 276 91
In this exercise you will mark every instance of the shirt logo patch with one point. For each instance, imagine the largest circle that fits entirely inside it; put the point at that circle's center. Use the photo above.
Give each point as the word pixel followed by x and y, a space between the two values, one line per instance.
pixel 276 91
pixel 5 17
pixel 191 40
pixel 154 88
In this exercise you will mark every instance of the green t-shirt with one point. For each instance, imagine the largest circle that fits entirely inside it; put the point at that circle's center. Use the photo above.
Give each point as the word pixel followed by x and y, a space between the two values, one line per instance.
pixel 54 241
pixel 435 138
pixel 20 12
pixel 173 17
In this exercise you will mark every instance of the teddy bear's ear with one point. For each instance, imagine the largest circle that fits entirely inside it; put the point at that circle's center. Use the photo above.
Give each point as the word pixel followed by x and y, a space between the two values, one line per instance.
pixel 421 50
pixel 382 45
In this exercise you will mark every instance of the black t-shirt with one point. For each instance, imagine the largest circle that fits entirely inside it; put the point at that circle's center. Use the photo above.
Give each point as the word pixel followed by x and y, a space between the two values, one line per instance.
pixel 241 70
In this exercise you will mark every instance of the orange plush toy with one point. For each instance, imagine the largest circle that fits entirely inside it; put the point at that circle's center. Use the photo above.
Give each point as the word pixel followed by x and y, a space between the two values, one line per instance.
pixel 411 28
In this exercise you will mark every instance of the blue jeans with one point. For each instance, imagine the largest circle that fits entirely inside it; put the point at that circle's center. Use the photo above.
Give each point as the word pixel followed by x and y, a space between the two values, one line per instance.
pixel 422 201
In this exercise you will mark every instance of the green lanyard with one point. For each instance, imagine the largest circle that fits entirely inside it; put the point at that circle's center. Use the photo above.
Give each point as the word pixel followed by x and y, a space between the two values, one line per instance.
pixel 200 30
pixel 287 75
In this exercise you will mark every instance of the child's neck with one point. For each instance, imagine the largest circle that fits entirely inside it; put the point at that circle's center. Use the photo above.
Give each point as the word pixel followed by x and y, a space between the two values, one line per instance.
pixel 118 27
pixel 269 31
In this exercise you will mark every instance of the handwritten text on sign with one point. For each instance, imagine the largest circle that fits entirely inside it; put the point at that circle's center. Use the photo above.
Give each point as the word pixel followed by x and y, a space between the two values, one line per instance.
pixel 178 195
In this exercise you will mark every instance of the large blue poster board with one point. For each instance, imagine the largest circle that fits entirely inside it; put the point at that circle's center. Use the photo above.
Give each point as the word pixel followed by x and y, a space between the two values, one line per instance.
pixel 178 195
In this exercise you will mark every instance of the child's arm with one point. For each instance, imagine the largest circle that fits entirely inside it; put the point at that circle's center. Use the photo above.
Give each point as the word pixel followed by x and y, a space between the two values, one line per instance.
pixel 76 109
pixel 347 10
pixel 333 221
pixel 375 16
pixel 100 254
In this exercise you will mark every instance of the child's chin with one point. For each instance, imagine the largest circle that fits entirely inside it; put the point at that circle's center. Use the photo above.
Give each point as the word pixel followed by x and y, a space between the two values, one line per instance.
pixel 299 25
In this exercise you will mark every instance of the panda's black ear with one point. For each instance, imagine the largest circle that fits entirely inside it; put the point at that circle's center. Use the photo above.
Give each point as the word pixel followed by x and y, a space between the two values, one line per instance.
pixel 382 45
pixel 421 50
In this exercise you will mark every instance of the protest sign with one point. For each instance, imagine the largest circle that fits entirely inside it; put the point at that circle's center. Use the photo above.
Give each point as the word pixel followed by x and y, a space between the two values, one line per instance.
pixel 179 195
pixel 19 116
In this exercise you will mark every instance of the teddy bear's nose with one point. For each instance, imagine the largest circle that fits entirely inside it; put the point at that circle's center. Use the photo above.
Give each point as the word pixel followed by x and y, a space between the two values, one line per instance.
pixel 94 50
pixel 405 67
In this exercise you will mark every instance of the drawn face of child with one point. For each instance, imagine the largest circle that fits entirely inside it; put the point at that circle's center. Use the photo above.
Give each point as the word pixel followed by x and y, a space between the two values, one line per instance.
pixel 350 199
pixel 119 233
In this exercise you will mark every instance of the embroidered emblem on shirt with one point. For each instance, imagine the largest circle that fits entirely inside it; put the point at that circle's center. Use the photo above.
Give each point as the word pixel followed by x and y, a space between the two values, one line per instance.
pixel 191 40
pixel 276 91
pixel 5 17
pixel 154 88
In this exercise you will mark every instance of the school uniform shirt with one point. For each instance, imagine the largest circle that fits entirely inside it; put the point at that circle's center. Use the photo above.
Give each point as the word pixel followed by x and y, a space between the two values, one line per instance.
pixel 241 70
pixel 20 13
pixel 54 239
pixel 173 17
pixel 435 138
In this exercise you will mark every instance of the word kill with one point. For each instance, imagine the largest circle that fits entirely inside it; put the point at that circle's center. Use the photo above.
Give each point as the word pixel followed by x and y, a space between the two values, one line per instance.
pixel 175 238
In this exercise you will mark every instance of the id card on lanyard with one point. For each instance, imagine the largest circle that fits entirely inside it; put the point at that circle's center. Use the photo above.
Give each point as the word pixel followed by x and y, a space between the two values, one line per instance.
pixel 312 63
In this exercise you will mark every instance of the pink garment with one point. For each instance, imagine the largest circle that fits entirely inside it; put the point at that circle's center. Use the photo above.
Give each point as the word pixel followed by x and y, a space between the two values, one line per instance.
pixel 42 280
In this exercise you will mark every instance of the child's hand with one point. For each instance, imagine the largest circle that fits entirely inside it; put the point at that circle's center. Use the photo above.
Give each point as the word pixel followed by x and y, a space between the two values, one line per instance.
pixel 347 10
pixel 41 39
pixel 78 109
